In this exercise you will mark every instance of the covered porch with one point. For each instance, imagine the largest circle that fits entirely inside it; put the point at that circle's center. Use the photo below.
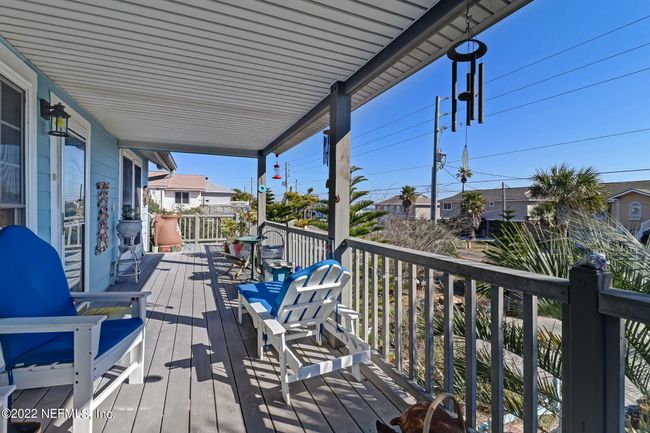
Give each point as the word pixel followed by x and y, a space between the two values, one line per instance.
pixel 252 80
pixel 202 372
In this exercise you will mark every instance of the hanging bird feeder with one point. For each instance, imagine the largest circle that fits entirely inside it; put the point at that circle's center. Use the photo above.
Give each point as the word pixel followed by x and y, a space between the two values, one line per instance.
pixel 473 95
pixel 276 168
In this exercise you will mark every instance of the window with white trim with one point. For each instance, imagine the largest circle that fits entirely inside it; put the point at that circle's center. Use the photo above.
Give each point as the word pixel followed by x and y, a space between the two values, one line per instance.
pixel 491 204
pixel 131 184
pixel 12 154
pixel 446 206
pixel 182 197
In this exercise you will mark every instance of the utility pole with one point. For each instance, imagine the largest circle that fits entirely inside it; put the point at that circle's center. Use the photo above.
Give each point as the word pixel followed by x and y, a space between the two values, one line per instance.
pixel 503 200
pixel 434 168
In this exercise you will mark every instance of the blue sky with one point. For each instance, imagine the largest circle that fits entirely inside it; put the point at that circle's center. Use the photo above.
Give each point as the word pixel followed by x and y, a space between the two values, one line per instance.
pixel 400 153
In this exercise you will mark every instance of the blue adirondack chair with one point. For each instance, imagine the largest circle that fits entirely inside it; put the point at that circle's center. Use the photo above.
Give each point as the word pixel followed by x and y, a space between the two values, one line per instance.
pixel 303 305
pixel 45 342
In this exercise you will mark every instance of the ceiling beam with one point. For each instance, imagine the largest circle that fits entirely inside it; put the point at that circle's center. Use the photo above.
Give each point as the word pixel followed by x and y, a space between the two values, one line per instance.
pixel 312 115
pixel 432 21
pixel 420 30
pixel 205 149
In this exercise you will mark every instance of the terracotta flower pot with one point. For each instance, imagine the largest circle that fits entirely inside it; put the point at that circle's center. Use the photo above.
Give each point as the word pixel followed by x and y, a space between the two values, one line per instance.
pixel 166 233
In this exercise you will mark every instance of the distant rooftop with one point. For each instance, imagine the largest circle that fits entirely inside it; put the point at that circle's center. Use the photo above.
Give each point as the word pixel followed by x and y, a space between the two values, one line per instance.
pixel 211 187
pixel 395 200
pixel 520 193
pixel 176 181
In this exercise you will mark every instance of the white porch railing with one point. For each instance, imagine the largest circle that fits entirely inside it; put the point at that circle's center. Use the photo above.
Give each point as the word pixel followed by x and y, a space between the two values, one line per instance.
pixel 199 228
pixel 389 284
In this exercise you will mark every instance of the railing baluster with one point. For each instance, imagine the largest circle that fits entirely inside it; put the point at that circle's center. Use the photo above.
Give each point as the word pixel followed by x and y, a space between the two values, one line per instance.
pixel 448 333
pixel 429 353
pixel 530 363
pixel 398 315
pixel 496 376
pixel 365 296
pixel 412 320
pixel 357 281
pixel 375 303
pixel 470 352
pixel 386 329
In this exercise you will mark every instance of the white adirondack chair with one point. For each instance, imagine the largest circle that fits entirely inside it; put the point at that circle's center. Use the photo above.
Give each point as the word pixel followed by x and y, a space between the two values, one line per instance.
pixel 303 305
pixel 45 343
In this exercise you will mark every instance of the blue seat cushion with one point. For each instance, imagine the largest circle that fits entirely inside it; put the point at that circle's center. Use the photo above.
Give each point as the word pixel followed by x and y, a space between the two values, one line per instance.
pixel 264 293
pixel 61 348
pixel 32 284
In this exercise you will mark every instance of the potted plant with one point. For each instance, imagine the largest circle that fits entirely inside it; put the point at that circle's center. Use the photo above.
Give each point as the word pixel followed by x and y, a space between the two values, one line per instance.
pixel 130 224
pixel 154 246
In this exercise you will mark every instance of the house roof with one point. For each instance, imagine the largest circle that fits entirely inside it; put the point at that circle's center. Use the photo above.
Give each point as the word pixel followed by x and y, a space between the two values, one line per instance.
pixel 612 189
pixel 615 189
pixel 422 200
pixel 231 77
pixel 211 187
pixel 519 193
pixel 175 181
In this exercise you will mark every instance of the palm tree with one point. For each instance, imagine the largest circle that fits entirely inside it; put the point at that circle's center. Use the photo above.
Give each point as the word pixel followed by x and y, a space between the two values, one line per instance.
pixel 408 197
pixel 464 174
pixel 567 189
pixel 362 220
pixel 473 206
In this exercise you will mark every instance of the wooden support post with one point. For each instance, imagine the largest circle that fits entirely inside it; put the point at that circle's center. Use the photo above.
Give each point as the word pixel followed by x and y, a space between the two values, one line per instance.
pixel 584 362
pixel 339 179
pixel 261 196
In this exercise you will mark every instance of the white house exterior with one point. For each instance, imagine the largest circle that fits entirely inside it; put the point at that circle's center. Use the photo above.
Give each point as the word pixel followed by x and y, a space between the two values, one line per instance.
pixel 173 191
pixel 420 209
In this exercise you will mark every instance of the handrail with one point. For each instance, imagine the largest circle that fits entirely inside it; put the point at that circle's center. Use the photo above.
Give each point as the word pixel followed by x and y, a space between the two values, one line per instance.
pixel 625 304
pixel 526 282
pixel 322 236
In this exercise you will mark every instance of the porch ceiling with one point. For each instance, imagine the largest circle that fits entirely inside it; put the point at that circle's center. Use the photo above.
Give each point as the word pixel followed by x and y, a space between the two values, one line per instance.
pixel 227 76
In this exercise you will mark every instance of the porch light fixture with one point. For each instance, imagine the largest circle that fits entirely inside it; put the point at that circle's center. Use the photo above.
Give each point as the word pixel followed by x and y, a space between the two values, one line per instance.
pixel 475 50
pixel 57 116
pixel 276 168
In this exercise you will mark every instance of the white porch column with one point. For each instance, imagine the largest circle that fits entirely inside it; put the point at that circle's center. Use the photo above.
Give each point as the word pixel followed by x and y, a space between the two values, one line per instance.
pixel 339 179
pixel 261 196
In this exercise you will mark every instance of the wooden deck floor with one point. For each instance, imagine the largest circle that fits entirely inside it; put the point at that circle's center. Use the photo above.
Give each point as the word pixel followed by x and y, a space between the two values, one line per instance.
pixel 202 374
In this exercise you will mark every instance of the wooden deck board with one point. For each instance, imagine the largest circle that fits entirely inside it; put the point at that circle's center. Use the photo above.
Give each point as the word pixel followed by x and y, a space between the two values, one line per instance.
pixel 202 373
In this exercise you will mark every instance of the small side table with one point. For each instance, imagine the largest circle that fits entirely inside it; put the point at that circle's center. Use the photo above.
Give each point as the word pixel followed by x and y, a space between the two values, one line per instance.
pixel 252 241
pixel 127 245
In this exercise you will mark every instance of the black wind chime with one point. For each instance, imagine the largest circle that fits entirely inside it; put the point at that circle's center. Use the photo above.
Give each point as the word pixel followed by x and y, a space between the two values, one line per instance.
pixel 474 80
pixel 473 96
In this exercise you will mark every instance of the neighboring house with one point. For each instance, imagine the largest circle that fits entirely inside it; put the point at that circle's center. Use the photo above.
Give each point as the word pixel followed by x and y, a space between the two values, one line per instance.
pixel 420 209
pixel 517 199
pixel 50 184
pixel 629 203
pixel 185 191
pixel 216 195
pixel 176 191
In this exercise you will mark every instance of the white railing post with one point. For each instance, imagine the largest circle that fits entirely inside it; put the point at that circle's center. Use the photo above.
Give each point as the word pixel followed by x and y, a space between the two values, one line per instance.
pixel 196 232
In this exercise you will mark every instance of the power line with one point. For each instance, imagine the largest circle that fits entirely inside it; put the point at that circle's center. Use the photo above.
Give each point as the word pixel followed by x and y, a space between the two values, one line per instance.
pixel 565 50
pixel 562 143
pixel 518 69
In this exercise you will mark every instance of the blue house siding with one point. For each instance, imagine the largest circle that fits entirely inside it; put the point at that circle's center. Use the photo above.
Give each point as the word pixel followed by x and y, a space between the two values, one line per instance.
pixel 104 167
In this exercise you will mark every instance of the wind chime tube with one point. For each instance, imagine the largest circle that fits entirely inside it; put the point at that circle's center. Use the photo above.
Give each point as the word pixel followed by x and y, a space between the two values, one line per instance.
pixel 454 96
pixel 480 92
pixel 472 89
pixel 468 120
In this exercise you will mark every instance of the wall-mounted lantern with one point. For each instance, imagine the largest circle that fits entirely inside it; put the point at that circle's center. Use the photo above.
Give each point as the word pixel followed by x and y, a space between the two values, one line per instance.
pixel 57 116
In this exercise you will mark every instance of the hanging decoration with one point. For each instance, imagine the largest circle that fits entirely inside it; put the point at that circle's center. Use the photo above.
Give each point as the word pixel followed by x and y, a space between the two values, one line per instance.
pixel 473 95
pixel 326 147
pixel 276 168
pixel 102 217
pixel 465 158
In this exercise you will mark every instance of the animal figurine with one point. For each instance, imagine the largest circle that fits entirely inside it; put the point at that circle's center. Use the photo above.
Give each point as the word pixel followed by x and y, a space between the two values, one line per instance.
pixel 413 419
